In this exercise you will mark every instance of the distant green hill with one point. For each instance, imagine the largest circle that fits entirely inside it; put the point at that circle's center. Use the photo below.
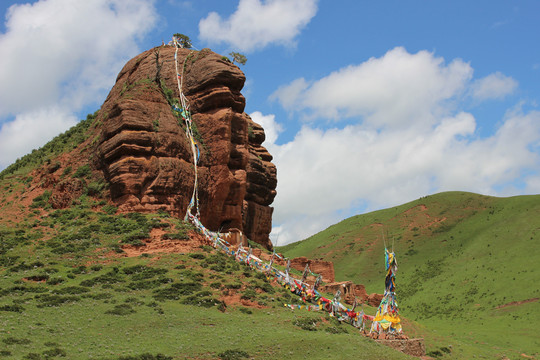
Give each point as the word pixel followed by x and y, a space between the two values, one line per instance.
pixel 464 259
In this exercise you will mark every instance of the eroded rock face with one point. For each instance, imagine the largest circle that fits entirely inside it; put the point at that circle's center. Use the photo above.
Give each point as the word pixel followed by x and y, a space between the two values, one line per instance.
pixel 145 155
pixel 324 268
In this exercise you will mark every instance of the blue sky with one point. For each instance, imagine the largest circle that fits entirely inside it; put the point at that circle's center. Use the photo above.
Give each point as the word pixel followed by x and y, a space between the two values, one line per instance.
pixel 366 104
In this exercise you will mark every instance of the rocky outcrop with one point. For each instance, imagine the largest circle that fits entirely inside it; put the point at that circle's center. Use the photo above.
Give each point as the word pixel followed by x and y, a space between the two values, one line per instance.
pixel 351 291
pixel 65 192
pixel 321 267
pixel 145 155
pixel 261 185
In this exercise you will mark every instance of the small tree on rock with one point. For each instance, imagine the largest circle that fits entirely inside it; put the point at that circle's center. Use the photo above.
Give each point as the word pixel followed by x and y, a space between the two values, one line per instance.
pixel 183 40
pixel 239 58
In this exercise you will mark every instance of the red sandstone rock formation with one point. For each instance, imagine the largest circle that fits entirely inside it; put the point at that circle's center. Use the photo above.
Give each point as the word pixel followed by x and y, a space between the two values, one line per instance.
pixel 350 291
pixel 145 155
pixel 324 268
pixel 65 191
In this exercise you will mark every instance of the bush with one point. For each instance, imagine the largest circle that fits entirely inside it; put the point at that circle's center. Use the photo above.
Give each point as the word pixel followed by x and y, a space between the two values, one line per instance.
pixel 233 354
pixel 12 308
pixel 54 353
pixel 109 209
pixel 15 341
pixel 142 272
pixel 202 298
pixel 23 266
pixel 98 296
pixel 146 356
pixel 21 289
pixel 79 270
pixel 157 223
pixel 72 290
pixel 176 290
pixel 55 281
pixel 32 356
pixel 149 284
pixel 122 309
pixel 245 310
pixel 112 277
pixel 38 278
pixel 96 188
pixel 54 300
pixel 306 324
pixel 96 267
pixel 249 294
pixel 42 200
pixel 134 238
pixel 266 287
pixel 336 330
pixel 83 172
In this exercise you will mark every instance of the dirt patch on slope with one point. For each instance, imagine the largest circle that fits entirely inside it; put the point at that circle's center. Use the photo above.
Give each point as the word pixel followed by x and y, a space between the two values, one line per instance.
pixel 157 244
pixel 516 303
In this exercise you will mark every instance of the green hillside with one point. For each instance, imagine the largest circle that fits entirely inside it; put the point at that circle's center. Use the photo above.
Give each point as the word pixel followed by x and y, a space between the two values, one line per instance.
pixel 464 259
pixel 68 288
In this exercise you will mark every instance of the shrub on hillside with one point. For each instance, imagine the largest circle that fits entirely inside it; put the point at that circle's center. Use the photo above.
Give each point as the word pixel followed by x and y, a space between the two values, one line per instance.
pixel 121 309
pixel 233 354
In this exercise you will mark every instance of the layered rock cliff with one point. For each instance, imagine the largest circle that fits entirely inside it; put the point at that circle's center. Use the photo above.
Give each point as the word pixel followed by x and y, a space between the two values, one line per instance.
pixel 144 153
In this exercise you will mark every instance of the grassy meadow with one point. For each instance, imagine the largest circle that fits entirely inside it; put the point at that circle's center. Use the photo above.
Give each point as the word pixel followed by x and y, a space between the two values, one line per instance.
pixel 67 290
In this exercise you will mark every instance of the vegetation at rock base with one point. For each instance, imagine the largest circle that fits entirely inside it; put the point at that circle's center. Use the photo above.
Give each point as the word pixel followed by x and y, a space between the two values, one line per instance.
pixel 163 303
pixel 67 290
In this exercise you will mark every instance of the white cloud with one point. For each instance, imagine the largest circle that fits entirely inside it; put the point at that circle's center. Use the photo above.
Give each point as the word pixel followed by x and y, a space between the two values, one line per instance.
pixel 65 53
pixel 398 89
pixel 493 86
pixel 407 138
pixel 322 173
pixel 290 96
pixel 32 130
pixel 256 24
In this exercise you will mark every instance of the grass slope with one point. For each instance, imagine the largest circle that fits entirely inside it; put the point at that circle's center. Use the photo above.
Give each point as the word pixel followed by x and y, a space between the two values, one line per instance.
pixel 461 258
pixel 68 291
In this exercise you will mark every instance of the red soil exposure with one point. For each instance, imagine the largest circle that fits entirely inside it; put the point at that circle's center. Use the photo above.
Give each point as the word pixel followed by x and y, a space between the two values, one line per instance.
pixel 417 208
pixel 236 299
pixel 156 244
pixel 513 303
pixel 413 347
